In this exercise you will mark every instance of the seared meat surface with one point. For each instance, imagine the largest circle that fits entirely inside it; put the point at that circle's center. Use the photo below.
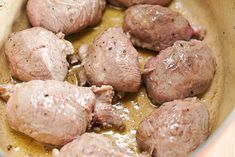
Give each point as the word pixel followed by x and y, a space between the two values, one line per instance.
pixel 112 60
pixel 183 70
pixel 91 145
pixel 128 3
pixel 175 129
pixel 155 27
pixel 37 53
pixel 55 112
pixel 67 16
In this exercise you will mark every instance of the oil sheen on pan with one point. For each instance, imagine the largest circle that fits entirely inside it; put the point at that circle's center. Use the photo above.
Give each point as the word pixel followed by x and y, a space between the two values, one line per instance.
pixel 132 108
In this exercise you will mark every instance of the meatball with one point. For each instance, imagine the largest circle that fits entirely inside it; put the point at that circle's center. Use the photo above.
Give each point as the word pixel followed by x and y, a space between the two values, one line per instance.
pixel 128 3
pixel 155 27
pixel 37 54
pixel 91 145
pixel 67 108
pixel 67 16
pixel 175 129
pixel 183 70
pixel 112 60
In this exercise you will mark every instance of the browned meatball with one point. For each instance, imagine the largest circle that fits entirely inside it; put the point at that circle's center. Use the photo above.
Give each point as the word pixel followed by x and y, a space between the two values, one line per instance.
pixel 128 3
pixel 37 53
pixel 155 27
pixel 183 70
pixel 175 129
pixel 67 16
pixel 112 60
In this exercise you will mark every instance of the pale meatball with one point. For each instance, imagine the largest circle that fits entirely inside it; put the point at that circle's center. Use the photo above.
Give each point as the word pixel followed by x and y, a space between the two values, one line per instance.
pixel 91 145
pixel 67 16
pixel 175 129
pixel 51 112
pixel 112 60
pixel 37 54
pixel 183 70
pixel 55 112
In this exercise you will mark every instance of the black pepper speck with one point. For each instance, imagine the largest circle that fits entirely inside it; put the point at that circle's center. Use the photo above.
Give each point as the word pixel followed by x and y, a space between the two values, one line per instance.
pixel 9 147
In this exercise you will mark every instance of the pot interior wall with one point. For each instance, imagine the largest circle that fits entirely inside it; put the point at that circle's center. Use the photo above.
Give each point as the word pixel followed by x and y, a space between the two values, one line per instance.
pixel 224 20
pixel 215 15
